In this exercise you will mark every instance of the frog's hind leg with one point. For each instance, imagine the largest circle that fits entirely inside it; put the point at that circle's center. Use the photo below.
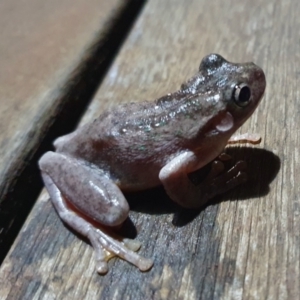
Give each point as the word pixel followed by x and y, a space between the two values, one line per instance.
pixel 251 138
pixel 58 173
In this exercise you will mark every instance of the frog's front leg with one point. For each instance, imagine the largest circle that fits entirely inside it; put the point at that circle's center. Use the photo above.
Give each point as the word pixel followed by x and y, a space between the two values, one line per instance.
pixel 95 196
pixel 174 177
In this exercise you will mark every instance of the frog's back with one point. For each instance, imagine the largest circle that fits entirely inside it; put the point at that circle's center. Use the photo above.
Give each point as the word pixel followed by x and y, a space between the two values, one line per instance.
pixel 108 129
pixel 166 125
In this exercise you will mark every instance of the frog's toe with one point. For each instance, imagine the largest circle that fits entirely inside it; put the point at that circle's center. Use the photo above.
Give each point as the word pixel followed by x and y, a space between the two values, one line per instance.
pixel 251 138
pixel 224 157
pixel 217 167
pixel 145 264
pixel 240 165
pixel 230 179
pixel 240 178
pixel 132 244
pixel 236 173
pixel 102 267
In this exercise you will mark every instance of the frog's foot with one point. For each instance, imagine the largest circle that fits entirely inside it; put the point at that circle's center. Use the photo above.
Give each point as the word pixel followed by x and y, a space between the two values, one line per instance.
pixel 107 247
pixel 106 244
pixel 218 182
pixel 251 138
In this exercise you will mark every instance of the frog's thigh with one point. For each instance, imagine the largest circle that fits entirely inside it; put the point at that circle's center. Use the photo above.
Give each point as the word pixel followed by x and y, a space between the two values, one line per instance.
pixel 92 193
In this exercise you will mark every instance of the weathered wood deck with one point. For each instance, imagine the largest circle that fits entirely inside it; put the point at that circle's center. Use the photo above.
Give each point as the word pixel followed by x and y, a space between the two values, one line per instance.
pixel 246 245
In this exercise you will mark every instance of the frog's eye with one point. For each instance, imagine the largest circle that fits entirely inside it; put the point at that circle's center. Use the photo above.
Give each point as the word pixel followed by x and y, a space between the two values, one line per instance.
pixel 242 94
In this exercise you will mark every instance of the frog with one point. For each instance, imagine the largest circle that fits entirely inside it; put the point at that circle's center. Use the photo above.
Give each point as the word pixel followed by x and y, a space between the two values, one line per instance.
pixel 140 145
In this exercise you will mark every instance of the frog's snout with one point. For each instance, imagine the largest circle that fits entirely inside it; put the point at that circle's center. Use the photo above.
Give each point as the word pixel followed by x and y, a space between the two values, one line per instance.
pixel 259 80
pixel 259 74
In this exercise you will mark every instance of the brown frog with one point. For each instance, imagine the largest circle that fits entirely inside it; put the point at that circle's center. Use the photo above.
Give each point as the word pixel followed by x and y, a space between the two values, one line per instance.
pixel 137 146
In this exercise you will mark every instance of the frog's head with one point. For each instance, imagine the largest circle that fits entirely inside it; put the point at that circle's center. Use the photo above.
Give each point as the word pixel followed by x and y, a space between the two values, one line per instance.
pixel 235 88
pixel 241 86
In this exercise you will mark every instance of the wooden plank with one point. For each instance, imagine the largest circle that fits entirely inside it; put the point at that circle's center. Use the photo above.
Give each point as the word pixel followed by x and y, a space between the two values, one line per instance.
pixel 52 57
pixel 246 246
pixel 41 43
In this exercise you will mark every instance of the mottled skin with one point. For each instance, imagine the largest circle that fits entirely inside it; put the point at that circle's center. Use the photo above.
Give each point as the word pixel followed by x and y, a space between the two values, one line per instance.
pixel 137 146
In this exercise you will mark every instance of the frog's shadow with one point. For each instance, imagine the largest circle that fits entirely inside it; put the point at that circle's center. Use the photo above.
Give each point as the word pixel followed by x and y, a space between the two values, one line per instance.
pixel 262 168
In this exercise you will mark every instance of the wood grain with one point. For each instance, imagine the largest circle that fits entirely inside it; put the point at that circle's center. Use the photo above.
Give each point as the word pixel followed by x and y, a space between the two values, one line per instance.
pixel 246 245
pixel 41 44
pixel 52 56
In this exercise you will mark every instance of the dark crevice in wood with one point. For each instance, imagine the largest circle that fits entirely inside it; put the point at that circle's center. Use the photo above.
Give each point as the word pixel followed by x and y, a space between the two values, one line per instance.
pixel 21 189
